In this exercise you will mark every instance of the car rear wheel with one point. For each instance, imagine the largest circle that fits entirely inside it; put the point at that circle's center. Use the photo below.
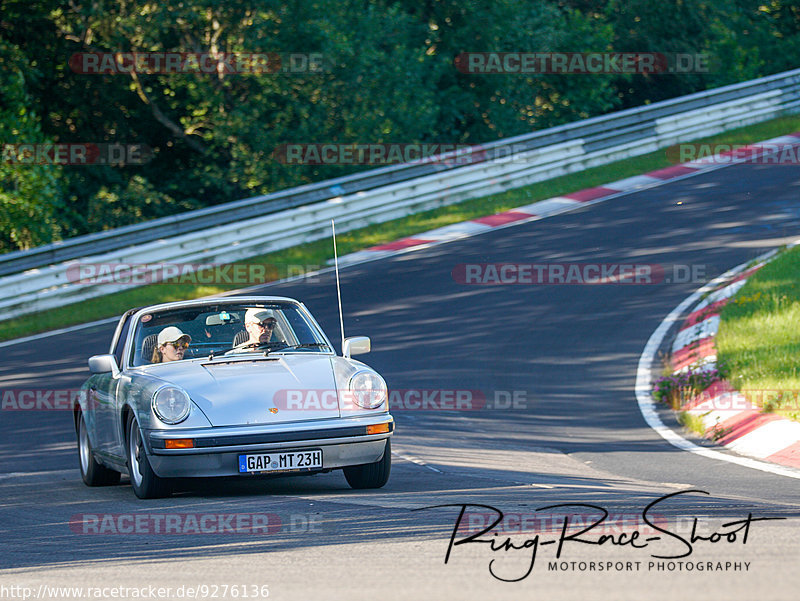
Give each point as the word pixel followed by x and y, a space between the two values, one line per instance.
pixel 146 484
pixel 371 475
pixel 92 472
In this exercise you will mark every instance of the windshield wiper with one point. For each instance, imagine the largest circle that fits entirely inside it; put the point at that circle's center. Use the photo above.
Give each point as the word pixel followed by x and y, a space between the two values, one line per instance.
pixel 271 347
pixel 253 347
pixel 304 345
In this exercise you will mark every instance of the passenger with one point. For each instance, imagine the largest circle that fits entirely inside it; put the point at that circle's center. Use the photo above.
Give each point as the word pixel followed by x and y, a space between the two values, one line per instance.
pixel 172 343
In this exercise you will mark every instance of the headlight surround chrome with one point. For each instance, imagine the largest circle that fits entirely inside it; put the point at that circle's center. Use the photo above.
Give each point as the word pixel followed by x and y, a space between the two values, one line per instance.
pixel 368 389
pixel 171 404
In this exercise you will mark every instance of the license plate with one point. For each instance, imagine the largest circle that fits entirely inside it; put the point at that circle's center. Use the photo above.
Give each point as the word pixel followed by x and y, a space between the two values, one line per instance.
pixel 280 462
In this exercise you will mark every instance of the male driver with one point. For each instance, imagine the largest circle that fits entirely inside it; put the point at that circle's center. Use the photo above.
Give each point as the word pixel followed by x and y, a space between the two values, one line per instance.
pixel 172 343
pixel 259 323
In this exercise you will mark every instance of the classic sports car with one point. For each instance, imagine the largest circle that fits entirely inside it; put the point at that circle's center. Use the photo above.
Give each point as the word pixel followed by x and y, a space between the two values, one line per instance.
pixel 225 387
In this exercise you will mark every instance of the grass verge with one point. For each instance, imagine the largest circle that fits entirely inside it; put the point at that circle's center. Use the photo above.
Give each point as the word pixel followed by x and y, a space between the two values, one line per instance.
pixel 759 337
pixel 692 423
pixel 319 252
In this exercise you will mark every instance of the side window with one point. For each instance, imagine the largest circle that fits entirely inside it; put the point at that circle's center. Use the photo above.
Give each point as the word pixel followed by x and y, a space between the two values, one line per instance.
pixel 119 347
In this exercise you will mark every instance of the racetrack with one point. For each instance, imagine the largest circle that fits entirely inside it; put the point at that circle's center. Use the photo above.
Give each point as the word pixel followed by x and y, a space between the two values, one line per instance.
pixel 576 436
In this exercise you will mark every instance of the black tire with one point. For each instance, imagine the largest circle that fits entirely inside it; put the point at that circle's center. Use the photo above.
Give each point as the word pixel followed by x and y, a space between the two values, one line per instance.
pixel 371 475
pixel 92 472
pixel 145 483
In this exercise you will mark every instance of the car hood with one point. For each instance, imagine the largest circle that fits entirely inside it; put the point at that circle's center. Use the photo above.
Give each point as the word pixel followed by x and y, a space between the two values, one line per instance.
pixel 241 392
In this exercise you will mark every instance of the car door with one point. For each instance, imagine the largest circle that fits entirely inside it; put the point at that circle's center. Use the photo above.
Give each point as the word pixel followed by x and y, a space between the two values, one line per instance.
pixel 105 392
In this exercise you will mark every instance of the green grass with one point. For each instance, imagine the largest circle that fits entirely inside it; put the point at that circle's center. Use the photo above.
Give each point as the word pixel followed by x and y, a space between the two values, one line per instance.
pixel 759 336
pixel 318 253
pixel 692 422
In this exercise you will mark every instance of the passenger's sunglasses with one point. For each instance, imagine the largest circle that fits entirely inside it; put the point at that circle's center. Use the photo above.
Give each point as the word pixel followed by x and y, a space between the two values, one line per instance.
pixel 179 345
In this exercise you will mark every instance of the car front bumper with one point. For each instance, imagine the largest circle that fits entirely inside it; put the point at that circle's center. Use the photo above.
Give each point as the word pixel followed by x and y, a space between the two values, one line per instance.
pixel 217 450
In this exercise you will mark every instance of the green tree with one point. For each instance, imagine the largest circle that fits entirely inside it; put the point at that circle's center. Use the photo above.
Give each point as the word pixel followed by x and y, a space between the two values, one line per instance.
pixel 389 77
pixel 484 107
pixel 29 192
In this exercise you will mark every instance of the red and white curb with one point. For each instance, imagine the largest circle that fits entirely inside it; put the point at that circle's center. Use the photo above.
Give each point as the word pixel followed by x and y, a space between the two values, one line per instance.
pixel 728 416
pixel 559 204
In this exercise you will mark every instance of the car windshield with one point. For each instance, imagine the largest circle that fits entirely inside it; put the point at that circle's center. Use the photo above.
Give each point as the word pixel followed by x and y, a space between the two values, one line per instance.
pixel 199 331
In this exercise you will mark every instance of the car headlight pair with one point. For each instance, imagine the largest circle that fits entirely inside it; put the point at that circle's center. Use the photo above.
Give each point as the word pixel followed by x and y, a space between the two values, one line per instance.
pixel 368 389
pixel 171 404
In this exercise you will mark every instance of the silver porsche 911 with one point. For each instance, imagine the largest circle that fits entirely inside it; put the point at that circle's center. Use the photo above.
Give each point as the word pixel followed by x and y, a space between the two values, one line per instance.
pixel 240 386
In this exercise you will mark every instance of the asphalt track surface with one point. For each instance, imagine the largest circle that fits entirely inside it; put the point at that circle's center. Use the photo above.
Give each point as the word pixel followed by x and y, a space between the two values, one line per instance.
pixel 576 436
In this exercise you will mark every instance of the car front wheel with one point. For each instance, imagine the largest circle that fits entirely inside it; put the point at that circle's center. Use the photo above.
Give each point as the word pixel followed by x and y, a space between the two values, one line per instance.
pixel 92 472
pixel 146 484
pixel 371 475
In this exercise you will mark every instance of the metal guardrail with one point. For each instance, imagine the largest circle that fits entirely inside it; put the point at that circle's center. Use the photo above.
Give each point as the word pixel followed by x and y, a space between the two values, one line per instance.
pixel 598 133
pixel 222 234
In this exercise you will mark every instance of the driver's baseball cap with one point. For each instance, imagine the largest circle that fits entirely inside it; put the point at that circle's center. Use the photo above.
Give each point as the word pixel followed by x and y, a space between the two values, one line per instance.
pixel 172 334
pixel 258 315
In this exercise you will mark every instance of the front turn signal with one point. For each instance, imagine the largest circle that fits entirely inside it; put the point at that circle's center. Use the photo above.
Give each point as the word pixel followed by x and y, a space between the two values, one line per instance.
pixel 179 443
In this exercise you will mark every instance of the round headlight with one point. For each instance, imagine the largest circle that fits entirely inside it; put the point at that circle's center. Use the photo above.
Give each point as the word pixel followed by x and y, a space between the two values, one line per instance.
pixel 171 404
pixel 369 389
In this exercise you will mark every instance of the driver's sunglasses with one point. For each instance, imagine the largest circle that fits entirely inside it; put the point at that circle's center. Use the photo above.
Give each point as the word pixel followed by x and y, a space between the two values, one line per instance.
pixel 265 324
pixel 179 345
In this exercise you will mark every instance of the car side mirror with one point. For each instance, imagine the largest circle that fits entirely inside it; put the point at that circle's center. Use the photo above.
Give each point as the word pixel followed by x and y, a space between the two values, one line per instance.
pixel 357 345
pixel 103 364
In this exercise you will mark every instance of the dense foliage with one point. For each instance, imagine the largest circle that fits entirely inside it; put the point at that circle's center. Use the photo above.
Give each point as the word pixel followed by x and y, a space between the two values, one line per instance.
pixel 388 77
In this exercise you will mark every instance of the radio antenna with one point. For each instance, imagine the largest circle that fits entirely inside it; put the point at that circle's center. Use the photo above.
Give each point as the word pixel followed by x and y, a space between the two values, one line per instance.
pixel 338 288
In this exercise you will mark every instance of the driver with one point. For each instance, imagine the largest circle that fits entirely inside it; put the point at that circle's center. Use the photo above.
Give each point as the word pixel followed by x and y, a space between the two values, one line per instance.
pixel 259 323
pixel 172 343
